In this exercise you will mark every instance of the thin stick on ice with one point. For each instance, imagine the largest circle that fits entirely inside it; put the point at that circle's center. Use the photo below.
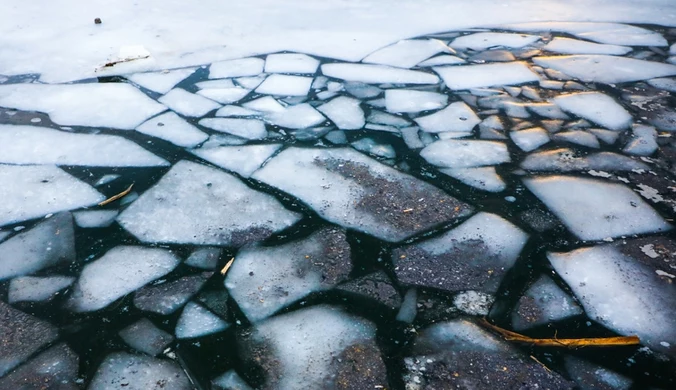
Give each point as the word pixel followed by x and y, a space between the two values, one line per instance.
pixel 227 266
pixel 118 196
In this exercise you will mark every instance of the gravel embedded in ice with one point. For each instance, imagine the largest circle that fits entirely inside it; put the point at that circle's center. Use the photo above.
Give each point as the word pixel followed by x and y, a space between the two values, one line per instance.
pixel 170 127
pixel 300 116
pixel 118 272
pixel 483 178
pixel 593 209
pixel 188 104
pixel 243 160
pixel 236 68
pixel 376 74
pixel 487 40
pixel 486 75
pixel 344 112
pixel 114 105
pixel 122 370
pixel 542 303
pixel 442 60
pixel 161 82
pixel 406 54
pixel 465 154
pixel 606 69
pixel 643 141
pixel 403 100
pixel 168 297
pixel 596 107
pixel 530 139
pixel 574 46
pixel 245 128
pixel 47 244
pixel 37 289
pixel 290 63
pixel 609 33
pixel 204 258
pixel 345 187
pixel 285 85
pixel 224 95
pixel 457 117
pixel 196 204
pixel 196 321
pixel 38 190
pixel 144 336
pixel 579 137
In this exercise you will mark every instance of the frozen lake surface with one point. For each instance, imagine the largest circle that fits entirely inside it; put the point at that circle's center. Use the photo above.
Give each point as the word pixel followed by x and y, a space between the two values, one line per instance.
pixel 340 208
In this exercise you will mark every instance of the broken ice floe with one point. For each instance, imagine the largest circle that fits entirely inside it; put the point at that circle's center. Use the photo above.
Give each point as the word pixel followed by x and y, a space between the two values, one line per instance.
pixel 37 289
pixel 285 85
pixel 578 137
pixel 456 117
pixel 574 46
pixel 483 178
pixel 487 40
pixel 230 380
pixel 590 375
pixel 566 160
pixel 530 139
pixel 172 128
pixel 138 372
pixel 347 188
pixel 236 68
pixel 376 287
pixel 300 116
pixel 243 160
pixel 375 74
pixel 168 297
pixel 345 112
pixel 487 75
pixel 55 368
pixel 442 60
pixel 244 128
pixel 543 303
pixel 596 107
pixel 290 63
pixel 608 33
pixel 196 321
pixel 144 336
pixel 188 104
pixel 465 154
pixel 606 69
pixel 406 54
pixel 161 82
pixel 204 258
pixel 224 95
pixel 643 142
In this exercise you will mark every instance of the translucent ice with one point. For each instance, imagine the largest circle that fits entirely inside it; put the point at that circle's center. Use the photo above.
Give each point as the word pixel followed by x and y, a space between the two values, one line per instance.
pixel 243 160
pixel 264 104
pixel 290 63
pixel 144 336
pixel 530 139
pixel 606 69
pixel 403 100
pixel 383 118
pixel 457 117
pixel 37 289
pixel 345 112
pixel 161 82
pixel 188 104
pixel 543 303
pixel 487 40
pixel 405 54
pixel 483 178
pixel 245 128
pixel 235 111
pixel 285 85
pixel 574 46
pixel 566 160
pixel 139 372
pixel 236 68
pixel 667 84
pixel 593 209
pixel 230 380
pixel 487 75
pixel 375 74
pixel 196 321
pixel 596 107
pixel 465 154
pixel 118 272
pixel 591 376
pixel 172 128
pixel 373 147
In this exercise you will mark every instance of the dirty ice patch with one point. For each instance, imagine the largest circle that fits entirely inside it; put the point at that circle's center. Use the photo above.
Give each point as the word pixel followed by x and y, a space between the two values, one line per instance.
pixel 39 145
pixel 196 204
pixel 37 289
pixel 595 210
pixel 170 127
pixel 596 107
pixel 161 82
pixel 138 372
pixel 346 187
pixel 243 160
pixel 542 303
pixel 376 74
pixel 407 53
pixel 38 190
pixel 487 40
pixel 575 46
pixel 606 69
pixel 115 105
pixel 485 75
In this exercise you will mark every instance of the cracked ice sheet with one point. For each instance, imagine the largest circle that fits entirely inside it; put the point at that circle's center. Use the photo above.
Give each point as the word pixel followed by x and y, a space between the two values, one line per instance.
pixel 38 190
pixel 161 82
pixel 609 33
pixel 486 75
pixel 39 145
pixel 606 69
pixel 115 105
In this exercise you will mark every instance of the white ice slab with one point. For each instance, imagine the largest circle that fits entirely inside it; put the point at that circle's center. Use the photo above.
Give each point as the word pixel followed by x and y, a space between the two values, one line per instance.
pixel 486 40
pixel 442 60
pixel 383 118
pixel 115 105
pixel 200 205
pixel 486 75
pixel 483 178
pixel 457 117
pixel 188 104
pixel 373 147
pixel 39 145
pixel 405 100
pixel 38 190
pixel 36 289
pixel 118 272
pixel 344 112
pixel 215 84
pixel 606 69
pixel 596 107
pixel 95 218
pixel 243 160
pixel 575 46
pixel 161 82
pixel 290 63
pixel 579 137
pixel 609 33
pixel 593 209
pixel 236 68
pixel 406 54
pixel 667 84
pixel 229 111
pixel 465 154
pixel 285 85
pixel 300 116
pixel 138 372
pixel 643 141
pixel 543 303
pixel 144 336
pixel 530 139
pixel 170 127
pixel 264 104
pixel 245 128
pixel 196 321
pixel 224 95
pixel 376 74
pixel 566 160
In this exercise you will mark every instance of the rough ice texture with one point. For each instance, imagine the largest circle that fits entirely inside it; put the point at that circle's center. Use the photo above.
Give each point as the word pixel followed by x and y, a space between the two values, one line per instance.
pixel 116 105
pixel 403 100
pixel 531 139
pixel 122 370
pixel 345 112
pixel 543 303
pixel 290 63
pixel 37 289
pixel 406 54
pixel 21 335
pixel 566 160
pixel 144 336
pixel 120 271
pixel 354 191
pixel 465 154
pixel 161 82
pixel 170 127
pixel 486 75
pixel 168 297
pixel 243 160
pixel 593 209
pixel 667 84
pixel 55 368
pixel 265 279
pixel 473 256
pixel 236 68
pixel 623 289
pixel 95 218
pixel 38 190
pixel 39 145
pixel 188 104
pixel 196 321
pixel 315 348
pixel 487 40
pixel 285 85
pixel 606 69
pixel 245 128
pixel 300 116
pixel 196 204
pixel 608 33
pixel 50 242
pixel 457 117
pixel 376 287
pixel 574 46
pixel 483 178
pixel 376 74
pixel 596 107
pixel 643 142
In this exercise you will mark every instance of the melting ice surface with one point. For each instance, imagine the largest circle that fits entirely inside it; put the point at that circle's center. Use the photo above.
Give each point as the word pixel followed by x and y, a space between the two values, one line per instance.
pixel 341 221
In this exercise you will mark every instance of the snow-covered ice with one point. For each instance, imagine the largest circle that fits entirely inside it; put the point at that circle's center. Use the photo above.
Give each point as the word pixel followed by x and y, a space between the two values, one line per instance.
pixel 161 82
pixel 285 85
pixel 485 75
pixel 456 117
pixel 465 154
pixel 606 69
pixel 375 74
pixel 188 104
pixel 643 141
pixel 575 46
pixel 487 40
pixel 37 289
pixel 403 100
pixel 245 128
pixel 243 160
pixel 236 68
pixel 290 63
pixel 406 54
pixel 542 303
pixel 144 336
pixel 172 128
pixel 596 107
pixel 264 104
pixel 197 321
pixel 345 112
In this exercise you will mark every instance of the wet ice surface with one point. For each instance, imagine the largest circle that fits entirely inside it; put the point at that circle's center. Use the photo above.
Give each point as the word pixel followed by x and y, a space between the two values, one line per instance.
pixel 298 221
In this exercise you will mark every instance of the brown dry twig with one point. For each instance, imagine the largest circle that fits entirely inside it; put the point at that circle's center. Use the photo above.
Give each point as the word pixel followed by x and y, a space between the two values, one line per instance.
pixel 118 196
pixel 566 343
